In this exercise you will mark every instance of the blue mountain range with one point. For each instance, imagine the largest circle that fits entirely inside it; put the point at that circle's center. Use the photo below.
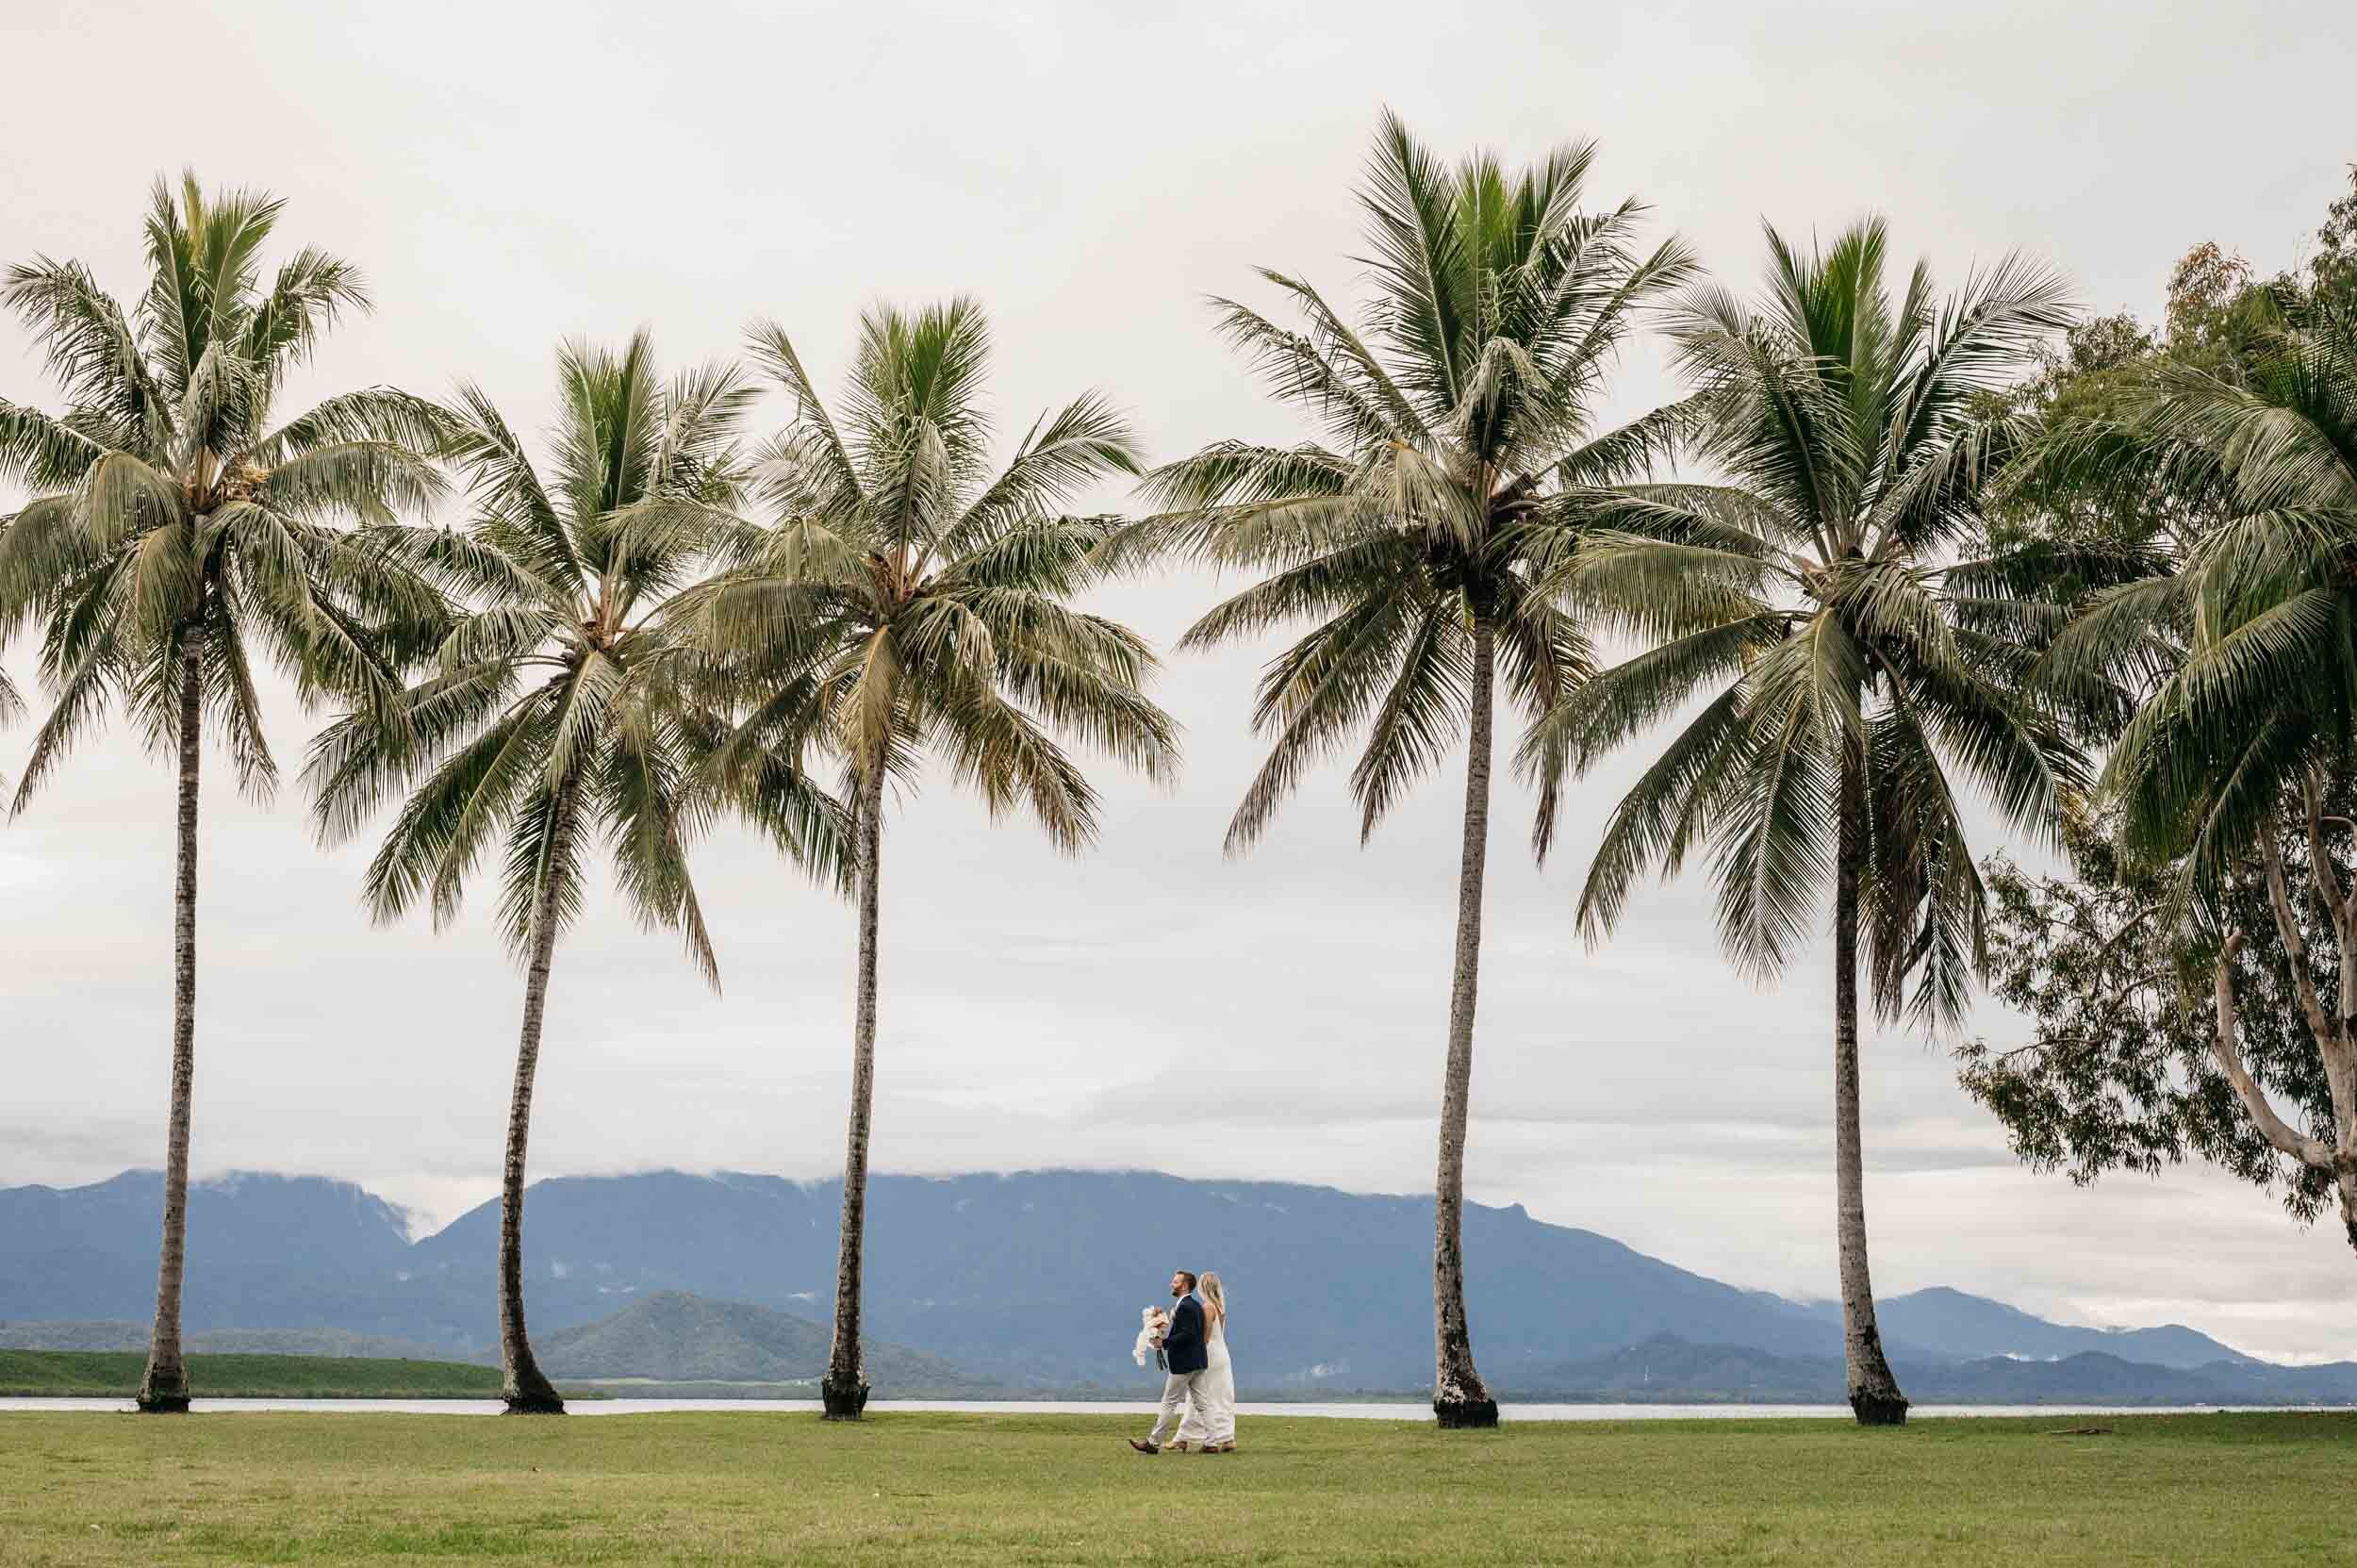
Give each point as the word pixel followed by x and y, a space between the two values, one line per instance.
pixel 1032 1279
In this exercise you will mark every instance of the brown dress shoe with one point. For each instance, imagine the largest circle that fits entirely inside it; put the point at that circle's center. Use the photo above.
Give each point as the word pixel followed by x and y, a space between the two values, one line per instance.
pixel 1144 1448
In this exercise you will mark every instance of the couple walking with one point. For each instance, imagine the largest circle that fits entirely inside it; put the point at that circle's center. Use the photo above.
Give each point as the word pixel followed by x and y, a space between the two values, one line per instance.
pixel 1202 1381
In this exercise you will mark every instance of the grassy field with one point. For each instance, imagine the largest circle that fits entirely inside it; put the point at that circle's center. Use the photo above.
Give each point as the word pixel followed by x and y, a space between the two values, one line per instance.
pixel 995 1490
pixel 117 1372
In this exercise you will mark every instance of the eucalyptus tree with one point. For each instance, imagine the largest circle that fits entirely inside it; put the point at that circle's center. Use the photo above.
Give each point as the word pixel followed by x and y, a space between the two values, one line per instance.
pixel 1461 457
pixel 546 724
pixel 1855 668
pixel 182 538
pixel 907 601
pixel 2125 1061
pixel 2232 786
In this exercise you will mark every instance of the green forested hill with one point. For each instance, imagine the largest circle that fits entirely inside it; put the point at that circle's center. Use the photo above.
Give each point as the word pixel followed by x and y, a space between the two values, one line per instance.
pixel 674 1337
pixel 671 1337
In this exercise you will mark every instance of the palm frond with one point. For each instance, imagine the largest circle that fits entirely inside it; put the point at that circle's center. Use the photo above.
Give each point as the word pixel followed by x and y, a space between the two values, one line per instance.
pixel 820 445
pixel 1314 694
pixel 40 452
pixel 1663 815
pixel 1419 718
pixel 88 346
pixel 501 481
pixel 1420 269
pixel 1085 441
pixel 543 863
pixel 1775 859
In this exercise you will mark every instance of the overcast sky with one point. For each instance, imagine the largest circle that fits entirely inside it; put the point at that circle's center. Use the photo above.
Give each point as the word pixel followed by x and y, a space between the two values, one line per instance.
pixel 511 175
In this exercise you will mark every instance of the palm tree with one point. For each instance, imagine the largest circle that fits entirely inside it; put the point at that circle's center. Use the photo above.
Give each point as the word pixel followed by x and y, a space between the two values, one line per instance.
pixel 1460 457
pixel 1858 667
pixel 545 726
pixel 180 534
pixel 909 602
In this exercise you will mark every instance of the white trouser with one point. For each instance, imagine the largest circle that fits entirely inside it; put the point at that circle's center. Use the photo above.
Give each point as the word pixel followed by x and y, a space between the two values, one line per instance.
pixel 1182 1390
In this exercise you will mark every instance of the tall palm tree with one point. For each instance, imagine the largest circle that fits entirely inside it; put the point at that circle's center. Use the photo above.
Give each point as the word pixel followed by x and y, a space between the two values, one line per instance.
pixel 180 534
pixel 1859 668
pixel 1460 455
pixel 907 603
pixel 545 725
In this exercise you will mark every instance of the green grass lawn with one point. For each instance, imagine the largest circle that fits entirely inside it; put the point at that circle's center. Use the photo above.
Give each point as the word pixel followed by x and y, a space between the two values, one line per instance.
pixel 117 1372
pixel 998 1490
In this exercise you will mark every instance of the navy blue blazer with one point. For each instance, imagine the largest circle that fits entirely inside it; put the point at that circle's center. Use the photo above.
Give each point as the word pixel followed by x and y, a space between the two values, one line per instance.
pixel 1184 1348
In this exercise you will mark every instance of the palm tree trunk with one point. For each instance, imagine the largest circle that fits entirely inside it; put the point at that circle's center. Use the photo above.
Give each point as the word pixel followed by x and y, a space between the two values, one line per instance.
pixel 844 1390
pixel 1874 1392
pixel 164 1388
pixel 1459 1397
pixel 525 1389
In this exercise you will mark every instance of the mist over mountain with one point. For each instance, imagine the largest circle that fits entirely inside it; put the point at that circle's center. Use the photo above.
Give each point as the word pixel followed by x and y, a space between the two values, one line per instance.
pixel 1030 1279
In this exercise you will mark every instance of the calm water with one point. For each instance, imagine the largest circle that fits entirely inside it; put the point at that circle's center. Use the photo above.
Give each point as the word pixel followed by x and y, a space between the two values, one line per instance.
pixel 1405 1412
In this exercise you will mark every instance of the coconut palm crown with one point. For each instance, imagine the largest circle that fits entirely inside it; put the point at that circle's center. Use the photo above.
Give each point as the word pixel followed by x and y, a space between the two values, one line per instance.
pixel 1855 668
pixel 2239 650
pixel 1460 455
pixel 546 726
pixel 908 603
pixel 183 537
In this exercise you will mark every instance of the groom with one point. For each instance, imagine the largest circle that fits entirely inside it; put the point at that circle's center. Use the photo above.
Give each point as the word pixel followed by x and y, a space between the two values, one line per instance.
pixel 1184 1356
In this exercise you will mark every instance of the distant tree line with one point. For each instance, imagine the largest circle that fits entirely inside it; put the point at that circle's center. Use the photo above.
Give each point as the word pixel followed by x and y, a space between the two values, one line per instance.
pixel 1889 550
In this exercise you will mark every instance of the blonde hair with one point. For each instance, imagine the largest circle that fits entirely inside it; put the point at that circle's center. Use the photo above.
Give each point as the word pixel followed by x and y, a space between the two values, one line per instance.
pixel 1207 1286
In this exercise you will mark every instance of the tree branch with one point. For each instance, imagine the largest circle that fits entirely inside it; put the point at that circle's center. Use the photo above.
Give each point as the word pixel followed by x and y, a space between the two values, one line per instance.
pixel 2308 1152
pixel 2326 878
pixel 2295 947
pixel 2339 1047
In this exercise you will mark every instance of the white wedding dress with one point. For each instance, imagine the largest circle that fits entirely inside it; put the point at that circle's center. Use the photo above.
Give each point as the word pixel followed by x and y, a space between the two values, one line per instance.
pixel 1219 1395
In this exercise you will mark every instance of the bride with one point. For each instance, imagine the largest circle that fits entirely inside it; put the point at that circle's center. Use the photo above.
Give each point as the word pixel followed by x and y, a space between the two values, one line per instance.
pixel 1216 1434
